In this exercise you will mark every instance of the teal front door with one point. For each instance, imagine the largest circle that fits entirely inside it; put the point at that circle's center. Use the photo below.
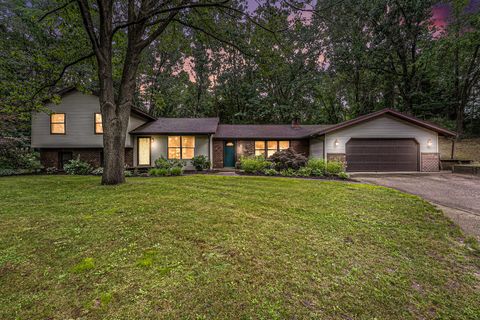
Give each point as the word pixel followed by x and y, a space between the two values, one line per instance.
pixel 229 154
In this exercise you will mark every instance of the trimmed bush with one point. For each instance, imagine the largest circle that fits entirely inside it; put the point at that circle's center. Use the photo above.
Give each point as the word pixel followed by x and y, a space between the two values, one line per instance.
pixel 343 175
pixel 270 172
pixel 128 173
pixel 51 170
pixel 317 166
pixel 176 171
pixel 288 159
pixel 333 168
pixel 288 172
pixel 304 172
pixel 163 163
pixel 159 172
pixel 7 172
pixel 200 162
pixel 77 167
pixel 254 164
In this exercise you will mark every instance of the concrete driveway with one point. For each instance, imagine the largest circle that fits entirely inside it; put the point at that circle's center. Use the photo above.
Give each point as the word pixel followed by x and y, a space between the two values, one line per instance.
pixel 457 195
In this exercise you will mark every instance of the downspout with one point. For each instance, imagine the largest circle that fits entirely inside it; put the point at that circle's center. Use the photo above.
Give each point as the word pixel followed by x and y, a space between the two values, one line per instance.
pixel 210 150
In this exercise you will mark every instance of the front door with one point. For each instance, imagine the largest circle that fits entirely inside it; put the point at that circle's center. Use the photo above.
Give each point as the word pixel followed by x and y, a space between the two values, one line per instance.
pixel 229 154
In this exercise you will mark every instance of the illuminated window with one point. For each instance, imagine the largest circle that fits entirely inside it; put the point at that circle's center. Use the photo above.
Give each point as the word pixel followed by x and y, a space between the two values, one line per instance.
pixel 260 148
pixel 57 123
pixel 144 151
pixel 268 148
pixel 181 147
pixel 98 123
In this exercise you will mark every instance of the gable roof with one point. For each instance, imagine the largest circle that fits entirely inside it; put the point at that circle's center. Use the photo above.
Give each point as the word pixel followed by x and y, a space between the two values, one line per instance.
pixel 266 131
pixel 179 125
pixel 391 112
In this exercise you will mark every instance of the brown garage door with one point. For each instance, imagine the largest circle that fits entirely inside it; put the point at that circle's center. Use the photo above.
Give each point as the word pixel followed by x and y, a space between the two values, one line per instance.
pixel 382 155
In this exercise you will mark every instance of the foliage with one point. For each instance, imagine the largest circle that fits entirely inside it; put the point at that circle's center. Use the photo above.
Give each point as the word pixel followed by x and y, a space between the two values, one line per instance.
pixel 270 172
pixel 334 168
pixel 97 171
pixel 77 167
pixel 343 175
pixel 176 171
pixel 254 164
pixel 128 173
pixel 159 172
pixel 200 162
pixel 51 170
pixel 289 172
pixel 288 159
pixel 317 166
pixel 304 172
pixel 8 172
pixel 163 163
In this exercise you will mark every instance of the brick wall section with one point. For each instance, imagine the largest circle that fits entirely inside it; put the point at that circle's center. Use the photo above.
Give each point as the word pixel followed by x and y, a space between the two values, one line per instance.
pixel 429 162
pixel 342 157
pixel 300 146
pixel 91 156
pixel 49 158
pixel 217 153
pixel 129 157
pixel 245 148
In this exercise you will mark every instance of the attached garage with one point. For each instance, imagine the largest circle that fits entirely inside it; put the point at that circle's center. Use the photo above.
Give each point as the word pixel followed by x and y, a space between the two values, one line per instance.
pixel 373 154
pixel 384 141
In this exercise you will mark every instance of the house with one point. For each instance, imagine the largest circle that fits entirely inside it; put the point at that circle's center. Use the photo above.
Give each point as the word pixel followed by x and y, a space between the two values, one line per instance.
pixel 386 140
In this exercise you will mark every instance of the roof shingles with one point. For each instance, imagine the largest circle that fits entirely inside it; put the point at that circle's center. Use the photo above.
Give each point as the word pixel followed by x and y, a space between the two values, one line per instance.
pixel 179 125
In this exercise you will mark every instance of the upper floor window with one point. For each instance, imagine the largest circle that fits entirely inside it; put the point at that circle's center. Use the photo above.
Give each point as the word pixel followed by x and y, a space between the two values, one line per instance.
pixel 181 147
pixel 268 148
pixel 57 123
pixel 98 123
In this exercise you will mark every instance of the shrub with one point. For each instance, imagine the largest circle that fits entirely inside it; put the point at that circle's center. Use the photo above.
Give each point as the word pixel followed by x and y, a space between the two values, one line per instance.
pixel 270 172
pixel 334 168
pixel 51 170
pixel 343 175
pixel 159 172
pixel 7 172
pixel 317 173
pixel 98 171
pixel 317 166
pixel 128 173
pixel 288 172
pixel 77 167
pixel 254 164
pixel 304 172
pixel 200 162
pixel 176 171
pixel 288 159
pixel 163 163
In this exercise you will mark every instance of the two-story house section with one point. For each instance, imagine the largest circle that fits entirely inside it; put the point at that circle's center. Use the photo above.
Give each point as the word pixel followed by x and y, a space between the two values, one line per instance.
pixel 74 128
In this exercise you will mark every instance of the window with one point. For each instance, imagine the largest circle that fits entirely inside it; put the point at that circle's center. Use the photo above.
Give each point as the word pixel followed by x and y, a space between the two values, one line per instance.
pixel 268 148
pixel 144 151
pixel 181 147
pixel 260 148
pixel 98 123
pixel 57 123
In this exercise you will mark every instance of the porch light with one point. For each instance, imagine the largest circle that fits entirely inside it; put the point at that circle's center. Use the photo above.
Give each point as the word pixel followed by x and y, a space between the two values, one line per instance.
pixel 429 143
pixel 336 143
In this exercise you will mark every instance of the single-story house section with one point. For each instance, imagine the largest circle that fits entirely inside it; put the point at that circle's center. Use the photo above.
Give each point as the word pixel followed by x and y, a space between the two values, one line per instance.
pixel 386 140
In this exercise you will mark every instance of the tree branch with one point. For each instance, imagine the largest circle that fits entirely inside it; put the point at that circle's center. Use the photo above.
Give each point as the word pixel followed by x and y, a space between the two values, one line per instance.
pixel 55 10
pixel 188 25
pixel 60 76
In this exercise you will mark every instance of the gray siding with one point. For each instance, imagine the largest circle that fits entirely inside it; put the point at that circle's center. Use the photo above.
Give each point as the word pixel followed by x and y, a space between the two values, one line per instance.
pixel 316 148
pixel 79 111
pixel 160 145
pixel 383 127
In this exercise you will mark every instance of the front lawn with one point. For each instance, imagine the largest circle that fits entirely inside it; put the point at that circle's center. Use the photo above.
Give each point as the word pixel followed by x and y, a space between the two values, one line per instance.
pixel 212 247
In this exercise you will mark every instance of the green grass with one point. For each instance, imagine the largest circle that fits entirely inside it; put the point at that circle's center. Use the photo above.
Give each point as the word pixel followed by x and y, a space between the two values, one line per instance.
pixel 211 247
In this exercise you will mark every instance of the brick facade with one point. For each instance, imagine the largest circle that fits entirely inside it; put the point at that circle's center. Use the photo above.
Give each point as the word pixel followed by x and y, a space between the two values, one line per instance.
pixel 430 162
pixel 247 148
pixel 301 146
pixel 51 157
pixel 342 157
pixel 218 153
